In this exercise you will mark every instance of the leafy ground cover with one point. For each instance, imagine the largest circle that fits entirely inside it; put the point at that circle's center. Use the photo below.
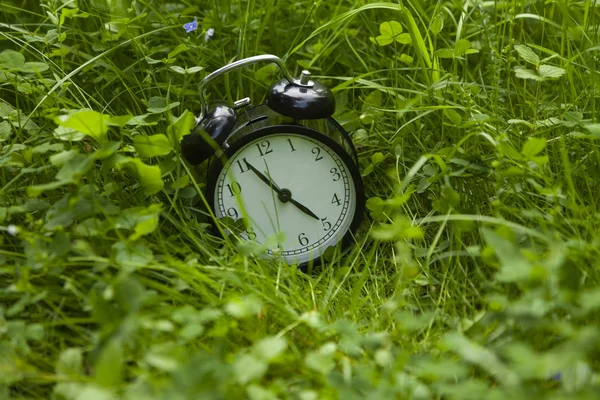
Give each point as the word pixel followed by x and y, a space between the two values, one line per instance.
pixel 475 275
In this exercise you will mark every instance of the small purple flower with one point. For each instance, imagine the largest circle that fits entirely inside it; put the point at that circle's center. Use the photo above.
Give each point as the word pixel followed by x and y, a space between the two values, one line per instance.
pixel 191 26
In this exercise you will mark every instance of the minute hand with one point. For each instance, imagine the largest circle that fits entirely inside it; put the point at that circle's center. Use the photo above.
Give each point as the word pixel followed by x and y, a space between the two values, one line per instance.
pixel 263 178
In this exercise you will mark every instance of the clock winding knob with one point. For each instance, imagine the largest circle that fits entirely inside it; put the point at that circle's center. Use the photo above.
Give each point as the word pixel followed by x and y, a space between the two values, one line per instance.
pixel 301 98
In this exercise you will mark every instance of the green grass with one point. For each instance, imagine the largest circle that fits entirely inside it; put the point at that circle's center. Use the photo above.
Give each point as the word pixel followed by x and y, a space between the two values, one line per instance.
pixel 476 272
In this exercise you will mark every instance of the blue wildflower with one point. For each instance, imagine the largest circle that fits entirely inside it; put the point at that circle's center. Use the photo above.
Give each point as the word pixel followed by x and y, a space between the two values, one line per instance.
pixel 191 26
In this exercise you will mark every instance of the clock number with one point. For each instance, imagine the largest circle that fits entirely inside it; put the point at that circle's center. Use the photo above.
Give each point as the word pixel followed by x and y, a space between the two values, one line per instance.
pixel 291 144
pixel 302 239
pixel 336 174
pixel 266 145
pixel 326 224
pixel 234 189
pixel 232 212
pixel 242 165
pixel 336 200
pixel 317 152
pixel 250 233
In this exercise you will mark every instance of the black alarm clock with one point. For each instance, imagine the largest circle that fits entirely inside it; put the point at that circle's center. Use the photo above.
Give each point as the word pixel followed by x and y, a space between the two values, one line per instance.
pixel 285 167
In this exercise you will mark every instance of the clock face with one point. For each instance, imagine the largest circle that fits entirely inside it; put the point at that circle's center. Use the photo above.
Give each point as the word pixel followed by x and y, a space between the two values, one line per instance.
pixel 292 187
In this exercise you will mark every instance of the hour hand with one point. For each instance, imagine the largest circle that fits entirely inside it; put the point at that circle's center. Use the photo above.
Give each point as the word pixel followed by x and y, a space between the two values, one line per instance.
pixel 304 209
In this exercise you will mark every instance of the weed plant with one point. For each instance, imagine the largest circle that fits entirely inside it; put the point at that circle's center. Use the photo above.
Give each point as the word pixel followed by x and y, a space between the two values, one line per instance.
pixel 475 274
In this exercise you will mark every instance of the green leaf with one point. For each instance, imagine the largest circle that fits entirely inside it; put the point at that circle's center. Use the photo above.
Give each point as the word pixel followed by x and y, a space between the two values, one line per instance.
pixel 109 366
pixel 34 67
pixel 63 157
pixel 514 266
pixel 390 28
pixel 248 368
pixel 525 73
pixel 527 54
pixel 376 206
pixel 67 134
pixel 178 69
pixel 69 363
pixel 381 40
pixel 5 109
pixel 131 256
pixel 47 147
pixel 521 121
pixel 88 122
pixel 36 190
pixel 256 392
pixel 89 227
pixel 152 61
pixel 404 38
pixel 181 126
pixel 480 356
pixel 164 356
pixel 69 13
pixel 181 182
pixel 444 53
pixel 152 146
pixel 119 120
pixel 577 377
pixel 437 24
pixel 548 122
pixel 92 392
pixel 453 115
pixel 144 120
pixel 377 158
pixel 244 307
pixel 594 129
pixel 264 73
pixel 533 146
pixel 147 222
pixel 158 105
pixel 549 71
pixel 405 58
pixel 5 131
pixel 194 70
pixel 590 299
pixel 106 150
pixel 461 47
pixel 321 360
pixel 179 49
pixel 149 176
pixel 11 59
pixel 35 332
pixel 75 168
pixel 25 87
pixel 270 347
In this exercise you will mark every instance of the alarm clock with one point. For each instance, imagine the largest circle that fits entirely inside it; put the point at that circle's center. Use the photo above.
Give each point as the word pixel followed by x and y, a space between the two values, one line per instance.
pixel 286 168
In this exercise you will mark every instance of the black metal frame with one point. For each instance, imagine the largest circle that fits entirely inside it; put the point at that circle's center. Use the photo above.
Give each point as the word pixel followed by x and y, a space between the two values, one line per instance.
pixel 269 123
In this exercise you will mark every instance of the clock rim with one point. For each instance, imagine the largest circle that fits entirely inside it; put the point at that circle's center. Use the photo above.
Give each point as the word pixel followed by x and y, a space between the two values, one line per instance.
pixel 218 164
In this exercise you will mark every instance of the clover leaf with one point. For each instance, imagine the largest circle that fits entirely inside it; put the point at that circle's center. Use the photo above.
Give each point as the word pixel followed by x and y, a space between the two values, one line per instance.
pixel 391 31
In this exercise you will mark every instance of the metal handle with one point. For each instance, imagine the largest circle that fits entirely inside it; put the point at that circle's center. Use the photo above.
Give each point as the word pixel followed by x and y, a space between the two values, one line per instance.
pixel 238 64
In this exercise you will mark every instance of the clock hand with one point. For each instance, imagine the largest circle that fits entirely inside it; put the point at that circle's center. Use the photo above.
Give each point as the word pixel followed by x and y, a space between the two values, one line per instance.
pixel 284 195
pixel 263 178
pixel 304 209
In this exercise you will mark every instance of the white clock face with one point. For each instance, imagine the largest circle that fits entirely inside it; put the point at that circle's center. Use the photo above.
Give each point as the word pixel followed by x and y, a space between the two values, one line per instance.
pixel 289 186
